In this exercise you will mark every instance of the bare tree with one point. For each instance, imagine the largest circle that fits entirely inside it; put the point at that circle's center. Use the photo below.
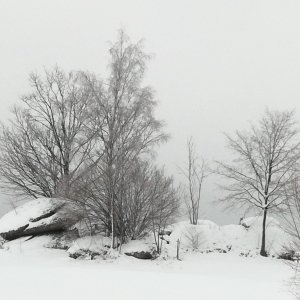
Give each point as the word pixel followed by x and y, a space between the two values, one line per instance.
pixel 195 173
pixel 291 225
pixel 45 148
pixel 90 140
pixel 145 201
pixel 291 216
pixel 264 164
pixel 193 237
pixel 164 206
pixel 148 195
pixel 126 126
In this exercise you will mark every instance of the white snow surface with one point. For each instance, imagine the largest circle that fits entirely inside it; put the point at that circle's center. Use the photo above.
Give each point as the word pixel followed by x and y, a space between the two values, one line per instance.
pixel 29 270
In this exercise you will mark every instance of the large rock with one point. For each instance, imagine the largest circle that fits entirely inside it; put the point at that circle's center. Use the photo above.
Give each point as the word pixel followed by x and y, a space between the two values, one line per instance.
pixel 39 216
pixel 141 254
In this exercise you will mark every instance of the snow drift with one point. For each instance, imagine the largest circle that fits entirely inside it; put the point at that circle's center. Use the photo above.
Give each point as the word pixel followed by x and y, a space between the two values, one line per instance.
pixel 244 238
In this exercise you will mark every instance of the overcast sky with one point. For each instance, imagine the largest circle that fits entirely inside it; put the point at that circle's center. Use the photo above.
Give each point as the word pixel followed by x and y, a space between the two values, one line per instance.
pixel 217 64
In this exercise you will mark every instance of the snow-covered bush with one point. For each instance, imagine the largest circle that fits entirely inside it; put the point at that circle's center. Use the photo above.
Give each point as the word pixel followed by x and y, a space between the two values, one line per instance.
pixel 149 203
pixel 63 240
pixel 87 254
pixel 193 237
pixel 90 247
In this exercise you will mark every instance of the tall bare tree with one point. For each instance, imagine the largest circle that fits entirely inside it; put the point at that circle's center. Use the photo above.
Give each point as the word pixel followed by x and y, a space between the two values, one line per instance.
pixel 264 163
pixel 195 173
pixel 91 140
pixel 45 147
pixel 124 117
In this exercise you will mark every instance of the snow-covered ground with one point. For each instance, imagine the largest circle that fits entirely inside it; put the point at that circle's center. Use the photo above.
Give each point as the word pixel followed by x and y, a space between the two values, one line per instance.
pixel 50 274
pixel 205 237
pixel 30 271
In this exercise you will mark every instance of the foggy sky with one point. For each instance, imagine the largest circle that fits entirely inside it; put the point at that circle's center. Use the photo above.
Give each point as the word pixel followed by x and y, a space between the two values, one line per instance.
pixel 217 64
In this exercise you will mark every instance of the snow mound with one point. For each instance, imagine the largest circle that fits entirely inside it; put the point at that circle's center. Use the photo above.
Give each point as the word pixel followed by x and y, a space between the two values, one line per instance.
pixel 96 243
pixel 207 236
pixel 28 245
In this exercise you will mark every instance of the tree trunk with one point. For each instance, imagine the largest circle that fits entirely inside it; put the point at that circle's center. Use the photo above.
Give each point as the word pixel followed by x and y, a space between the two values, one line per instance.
pixel 263 240
pixel 112 225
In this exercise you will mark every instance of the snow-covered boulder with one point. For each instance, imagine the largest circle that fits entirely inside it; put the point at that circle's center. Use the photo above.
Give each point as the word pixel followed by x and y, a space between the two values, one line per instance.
pixel 141 254
pixel 39 216
pixel 99 246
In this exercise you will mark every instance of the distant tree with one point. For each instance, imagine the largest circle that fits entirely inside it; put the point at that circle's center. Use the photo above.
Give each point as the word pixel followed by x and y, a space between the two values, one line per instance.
pixel 195 172
pixel 44 149
pixel 264 163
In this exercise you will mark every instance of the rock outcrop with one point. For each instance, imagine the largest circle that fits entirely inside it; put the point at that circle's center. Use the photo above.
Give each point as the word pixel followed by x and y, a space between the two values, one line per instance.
pixel 141 254
pixel 39 216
